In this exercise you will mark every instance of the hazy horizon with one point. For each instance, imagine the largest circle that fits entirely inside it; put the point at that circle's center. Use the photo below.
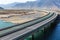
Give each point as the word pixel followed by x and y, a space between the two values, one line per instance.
pixel 12 1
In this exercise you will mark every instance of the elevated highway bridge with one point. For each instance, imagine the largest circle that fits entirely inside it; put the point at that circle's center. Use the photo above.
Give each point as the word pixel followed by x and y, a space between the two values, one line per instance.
pixel 28 30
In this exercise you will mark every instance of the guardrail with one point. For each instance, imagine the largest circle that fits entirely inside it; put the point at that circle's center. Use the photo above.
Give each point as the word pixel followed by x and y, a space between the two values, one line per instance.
pixel 23 23
pixel 35 29
pixel 27 24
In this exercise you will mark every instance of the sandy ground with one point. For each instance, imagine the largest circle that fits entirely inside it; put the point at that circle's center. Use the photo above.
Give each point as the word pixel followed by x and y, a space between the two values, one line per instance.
pixel 18 18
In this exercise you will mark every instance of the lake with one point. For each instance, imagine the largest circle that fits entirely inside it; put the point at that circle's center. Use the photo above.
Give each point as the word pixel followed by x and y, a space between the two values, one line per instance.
pixel 55 35
pixel 4 24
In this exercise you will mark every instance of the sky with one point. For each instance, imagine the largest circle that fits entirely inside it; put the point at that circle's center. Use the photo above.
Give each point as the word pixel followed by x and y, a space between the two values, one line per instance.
pixel 11 1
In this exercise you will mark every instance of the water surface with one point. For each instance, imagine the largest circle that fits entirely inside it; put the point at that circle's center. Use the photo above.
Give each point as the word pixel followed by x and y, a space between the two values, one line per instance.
pixel 4 24
pixel 55 35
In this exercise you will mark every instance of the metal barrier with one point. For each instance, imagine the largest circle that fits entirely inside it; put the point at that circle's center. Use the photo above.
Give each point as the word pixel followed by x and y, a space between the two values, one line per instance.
pixel 16 28
pixel 34 29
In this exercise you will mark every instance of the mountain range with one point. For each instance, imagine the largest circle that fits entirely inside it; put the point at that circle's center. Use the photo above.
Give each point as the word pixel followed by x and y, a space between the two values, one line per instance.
pixel 1 8
pixel 34 4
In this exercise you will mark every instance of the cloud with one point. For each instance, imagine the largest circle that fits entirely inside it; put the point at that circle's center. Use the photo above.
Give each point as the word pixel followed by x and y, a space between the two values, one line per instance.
pixel 11 1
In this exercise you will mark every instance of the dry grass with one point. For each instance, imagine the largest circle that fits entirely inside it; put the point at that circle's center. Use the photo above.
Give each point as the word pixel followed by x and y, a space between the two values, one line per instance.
pixel 20 16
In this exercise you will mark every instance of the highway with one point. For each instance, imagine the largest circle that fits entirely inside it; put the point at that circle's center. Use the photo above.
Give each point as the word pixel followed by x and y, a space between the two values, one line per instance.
pixel 15 28
pixel 28 30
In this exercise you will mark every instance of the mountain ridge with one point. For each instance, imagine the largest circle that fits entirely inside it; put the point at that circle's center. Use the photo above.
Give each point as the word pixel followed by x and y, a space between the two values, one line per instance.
pixel 34 4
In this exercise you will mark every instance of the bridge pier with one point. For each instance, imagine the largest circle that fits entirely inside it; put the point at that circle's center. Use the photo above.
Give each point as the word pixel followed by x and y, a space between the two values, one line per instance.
pixel 49 29
pixel 41 34
pixel 35 36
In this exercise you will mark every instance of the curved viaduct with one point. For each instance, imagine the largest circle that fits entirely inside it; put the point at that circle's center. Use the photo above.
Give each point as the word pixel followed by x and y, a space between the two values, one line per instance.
pixel 22 31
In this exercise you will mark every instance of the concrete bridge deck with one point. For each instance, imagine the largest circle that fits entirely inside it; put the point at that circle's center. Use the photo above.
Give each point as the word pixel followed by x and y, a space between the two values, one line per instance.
pixel 29 30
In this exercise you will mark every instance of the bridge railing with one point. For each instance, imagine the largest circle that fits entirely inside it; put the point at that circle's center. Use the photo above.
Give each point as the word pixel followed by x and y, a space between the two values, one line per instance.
pixel 34 28
pixel 24 25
